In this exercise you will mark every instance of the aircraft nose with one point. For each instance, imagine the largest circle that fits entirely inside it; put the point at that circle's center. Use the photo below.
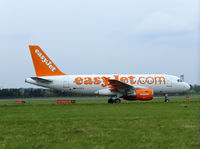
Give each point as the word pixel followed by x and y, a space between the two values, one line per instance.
pixel 187 86
pixel 191 86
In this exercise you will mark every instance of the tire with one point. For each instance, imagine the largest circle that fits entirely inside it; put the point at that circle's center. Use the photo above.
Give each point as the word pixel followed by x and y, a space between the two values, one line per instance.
pixel 166 100
pixel 117 100
pixel 110 101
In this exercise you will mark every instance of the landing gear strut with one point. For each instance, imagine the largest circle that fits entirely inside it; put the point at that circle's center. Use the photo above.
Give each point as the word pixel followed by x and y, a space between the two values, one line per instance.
pixel 166 98
pixel 117 100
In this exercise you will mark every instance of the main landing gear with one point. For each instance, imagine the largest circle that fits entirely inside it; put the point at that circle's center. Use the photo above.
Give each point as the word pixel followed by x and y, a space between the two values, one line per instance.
pixel 117 100
pixel 166 98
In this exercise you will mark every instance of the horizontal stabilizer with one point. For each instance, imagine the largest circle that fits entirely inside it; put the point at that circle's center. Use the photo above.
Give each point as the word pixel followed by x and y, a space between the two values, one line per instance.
pixel 41 80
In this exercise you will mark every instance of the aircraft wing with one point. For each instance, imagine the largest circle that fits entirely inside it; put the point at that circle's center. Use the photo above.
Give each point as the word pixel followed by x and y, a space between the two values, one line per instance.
pixel 116 85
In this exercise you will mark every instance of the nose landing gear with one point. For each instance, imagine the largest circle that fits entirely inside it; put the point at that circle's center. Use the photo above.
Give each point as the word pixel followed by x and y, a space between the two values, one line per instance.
pixel 166 98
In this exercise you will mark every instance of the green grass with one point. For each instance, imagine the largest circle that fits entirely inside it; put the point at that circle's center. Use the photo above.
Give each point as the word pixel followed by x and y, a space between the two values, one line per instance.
pixel 43 124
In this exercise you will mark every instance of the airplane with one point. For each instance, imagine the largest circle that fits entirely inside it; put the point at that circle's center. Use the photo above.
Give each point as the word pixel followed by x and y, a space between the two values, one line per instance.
pixel 127 86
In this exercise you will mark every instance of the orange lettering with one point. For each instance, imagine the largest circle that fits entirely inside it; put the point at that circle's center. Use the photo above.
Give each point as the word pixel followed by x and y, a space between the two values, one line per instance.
pixel 150 80
pixel 79 80
pixel 160 80
pixel 132 79
pixel 106 81
pixel 140 80
pixel 88 81
pixel 97 80
pixel 124 79
pixel 116 77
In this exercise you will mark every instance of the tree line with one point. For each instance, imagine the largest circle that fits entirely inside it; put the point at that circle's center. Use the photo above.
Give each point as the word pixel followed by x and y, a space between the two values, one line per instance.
pixel 33 92
pixel 39 92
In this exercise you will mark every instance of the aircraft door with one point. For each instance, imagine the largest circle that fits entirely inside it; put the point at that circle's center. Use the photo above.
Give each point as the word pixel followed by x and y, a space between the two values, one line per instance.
pixel 169 83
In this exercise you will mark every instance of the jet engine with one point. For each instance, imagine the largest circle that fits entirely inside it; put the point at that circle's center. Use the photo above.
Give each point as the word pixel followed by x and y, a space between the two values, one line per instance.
pixel 140 94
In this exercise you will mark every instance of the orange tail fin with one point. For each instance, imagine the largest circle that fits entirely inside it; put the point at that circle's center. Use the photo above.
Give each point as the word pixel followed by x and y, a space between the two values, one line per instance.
pixel 42 63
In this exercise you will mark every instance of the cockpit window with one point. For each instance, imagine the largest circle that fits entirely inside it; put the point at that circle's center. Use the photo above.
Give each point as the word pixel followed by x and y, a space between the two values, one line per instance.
pixel 179 80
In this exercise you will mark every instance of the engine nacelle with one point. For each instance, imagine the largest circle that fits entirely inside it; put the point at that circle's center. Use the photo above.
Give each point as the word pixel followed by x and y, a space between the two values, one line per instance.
pixel 140 94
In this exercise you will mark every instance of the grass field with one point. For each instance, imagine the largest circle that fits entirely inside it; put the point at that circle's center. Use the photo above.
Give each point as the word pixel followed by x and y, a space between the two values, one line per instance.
pixel 43 124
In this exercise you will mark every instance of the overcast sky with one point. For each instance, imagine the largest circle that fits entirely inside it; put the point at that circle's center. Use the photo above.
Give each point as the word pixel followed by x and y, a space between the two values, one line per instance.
pixel 100 36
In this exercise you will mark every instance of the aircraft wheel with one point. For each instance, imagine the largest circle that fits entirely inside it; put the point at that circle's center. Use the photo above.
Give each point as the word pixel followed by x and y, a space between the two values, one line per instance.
pixel 110 100
pixel 117 100
pixel 166 98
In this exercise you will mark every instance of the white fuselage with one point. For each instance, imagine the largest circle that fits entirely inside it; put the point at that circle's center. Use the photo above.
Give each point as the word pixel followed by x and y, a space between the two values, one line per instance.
pixel 97 85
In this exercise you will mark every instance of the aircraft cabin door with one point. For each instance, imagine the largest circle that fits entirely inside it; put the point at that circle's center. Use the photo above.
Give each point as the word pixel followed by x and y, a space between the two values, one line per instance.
pixel 169 83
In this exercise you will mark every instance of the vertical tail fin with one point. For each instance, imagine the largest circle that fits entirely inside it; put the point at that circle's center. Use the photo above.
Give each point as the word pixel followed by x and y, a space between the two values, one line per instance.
pixel 42 63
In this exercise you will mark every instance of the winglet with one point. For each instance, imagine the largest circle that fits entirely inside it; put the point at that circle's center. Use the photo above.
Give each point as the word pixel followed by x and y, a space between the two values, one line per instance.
pixel 42 63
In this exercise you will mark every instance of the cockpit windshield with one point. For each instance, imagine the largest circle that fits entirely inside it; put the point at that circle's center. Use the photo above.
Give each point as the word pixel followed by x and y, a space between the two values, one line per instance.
pixel 179 80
